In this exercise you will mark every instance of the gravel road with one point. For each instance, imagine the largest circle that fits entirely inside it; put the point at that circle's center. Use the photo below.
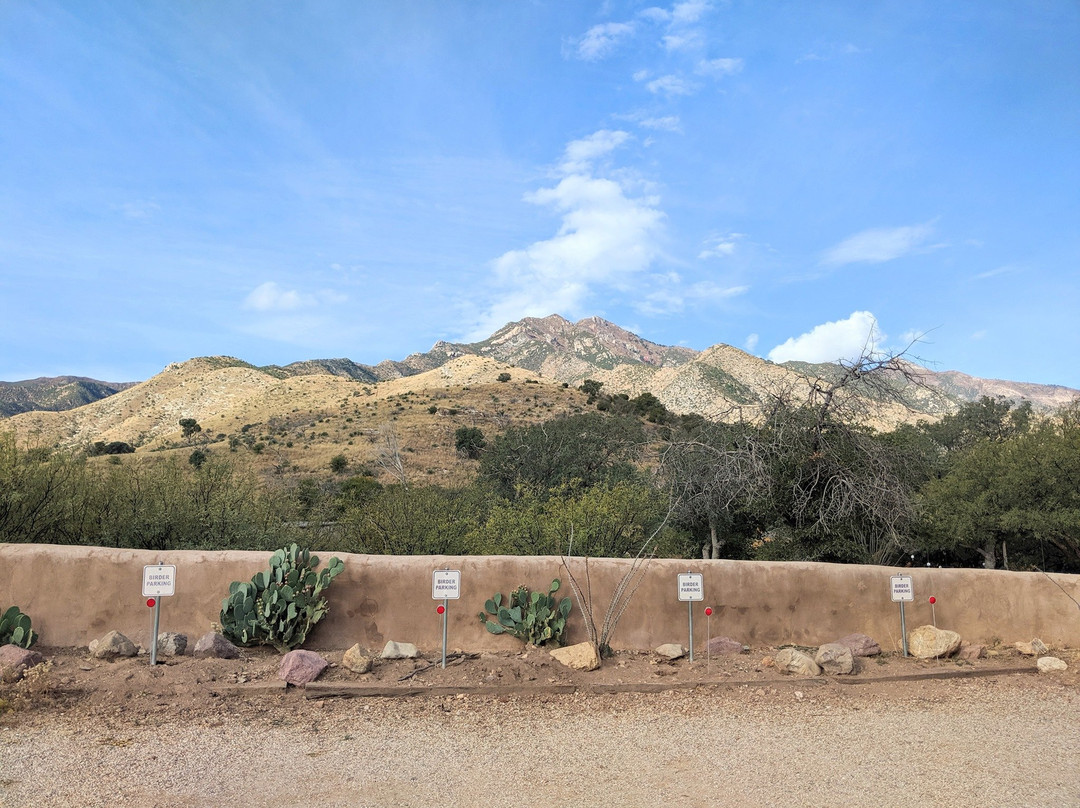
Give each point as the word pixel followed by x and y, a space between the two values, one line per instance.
pixel 995 741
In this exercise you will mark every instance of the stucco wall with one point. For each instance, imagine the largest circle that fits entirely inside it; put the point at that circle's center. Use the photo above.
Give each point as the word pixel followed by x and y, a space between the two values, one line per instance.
pixel 76 594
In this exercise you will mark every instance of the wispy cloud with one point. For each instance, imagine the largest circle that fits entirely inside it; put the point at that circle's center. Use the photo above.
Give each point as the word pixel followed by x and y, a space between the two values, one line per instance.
pixel 667 123
pixel 877 245
pixel 721 246
pixel 671 85
pixel 602 40
pixel 719 67
pixel 829 342
pixel 751 342
pixel 1006 269
pixel 671 296
pixel 580 155
pixel 270 297
pixel 606 237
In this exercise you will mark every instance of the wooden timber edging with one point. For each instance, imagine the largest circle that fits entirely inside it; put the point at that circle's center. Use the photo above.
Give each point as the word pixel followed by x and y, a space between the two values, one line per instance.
pixel 324 690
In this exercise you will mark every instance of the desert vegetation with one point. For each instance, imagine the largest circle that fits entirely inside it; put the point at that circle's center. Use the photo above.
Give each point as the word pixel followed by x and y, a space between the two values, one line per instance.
pixel 991 485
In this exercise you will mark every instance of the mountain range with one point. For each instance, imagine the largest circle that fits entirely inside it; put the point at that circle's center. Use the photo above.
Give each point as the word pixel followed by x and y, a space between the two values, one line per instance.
pixel 543 360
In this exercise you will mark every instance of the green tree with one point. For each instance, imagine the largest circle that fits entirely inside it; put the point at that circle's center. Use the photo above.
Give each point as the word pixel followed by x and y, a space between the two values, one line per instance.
pixel 189 426
pixel 1015 498
pixel 580 449
pixel 469 442
pixel 338 463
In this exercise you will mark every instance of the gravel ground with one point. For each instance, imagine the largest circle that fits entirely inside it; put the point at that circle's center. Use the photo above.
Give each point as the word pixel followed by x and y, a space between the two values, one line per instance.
pixel 996 741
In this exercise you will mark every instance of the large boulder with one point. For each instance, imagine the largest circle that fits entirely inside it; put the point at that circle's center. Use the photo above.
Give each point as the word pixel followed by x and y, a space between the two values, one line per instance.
pixel 214 644
pixel 400 650
pixel 725 646
pixel 861 645
pixel 16 661
pixel 582 657
pixel 835 659
pixel 793 661
pixel 929 642
pixel 301 667
pixel 112 645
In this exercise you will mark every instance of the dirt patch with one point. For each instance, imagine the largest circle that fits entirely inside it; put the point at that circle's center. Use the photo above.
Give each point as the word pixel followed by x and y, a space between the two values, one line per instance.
pixel 184 686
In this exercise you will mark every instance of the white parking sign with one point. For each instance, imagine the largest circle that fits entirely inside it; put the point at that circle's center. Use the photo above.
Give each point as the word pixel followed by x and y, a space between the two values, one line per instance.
pixel 159 580
pixel 691 586
pixel 446 584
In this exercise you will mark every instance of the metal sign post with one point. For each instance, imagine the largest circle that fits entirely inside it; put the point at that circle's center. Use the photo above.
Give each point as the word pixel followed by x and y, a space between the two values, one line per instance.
pixel 902 592
pixel 159 580
pixel 708 638
pixel 691 588
pixel 445 586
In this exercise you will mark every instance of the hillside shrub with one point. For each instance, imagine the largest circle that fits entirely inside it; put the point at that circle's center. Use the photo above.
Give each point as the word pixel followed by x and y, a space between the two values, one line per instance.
pixel 280 606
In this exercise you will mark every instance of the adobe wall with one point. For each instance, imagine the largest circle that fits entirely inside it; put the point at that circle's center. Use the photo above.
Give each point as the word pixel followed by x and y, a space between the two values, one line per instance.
pixel 76 594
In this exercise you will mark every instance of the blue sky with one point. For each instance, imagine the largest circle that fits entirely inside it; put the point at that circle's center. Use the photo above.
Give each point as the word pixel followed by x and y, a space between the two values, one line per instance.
pixel 280 181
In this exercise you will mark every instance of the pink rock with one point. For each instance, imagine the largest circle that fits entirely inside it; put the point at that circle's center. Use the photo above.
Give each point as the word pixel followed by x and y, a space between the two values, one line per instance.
pixel 725 646
pixel 860 645
pixel 301 667
pixel 15 661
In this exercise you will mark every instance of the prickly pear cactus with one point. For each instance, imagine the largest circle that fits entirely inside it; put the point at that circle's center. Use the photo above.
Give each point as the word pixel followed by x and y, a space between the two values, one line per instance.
pixel 15 629
pixel 533 617
pixel 280 606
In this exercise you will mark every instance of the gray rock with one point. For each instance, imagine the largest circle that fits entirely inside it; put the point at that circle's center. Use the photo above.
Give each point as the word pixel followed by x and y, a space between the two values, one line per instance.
pixel 791 660
pixel 214 644
pixel 113 645
pixel 1050 664
pixel 671 650
pixel 928 642
pixel 16 661
pixel 399 650
pixel 835 659
pixel 356 660
pixel 171 644
pixel 301 667
pixel 582 657
pixel 725 646
pixel 861 645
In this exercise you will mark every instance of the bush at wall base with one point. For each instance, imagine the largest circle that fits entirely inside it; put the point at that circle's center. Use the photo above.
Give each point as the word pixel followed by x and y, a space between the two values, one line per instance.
pixel 280 606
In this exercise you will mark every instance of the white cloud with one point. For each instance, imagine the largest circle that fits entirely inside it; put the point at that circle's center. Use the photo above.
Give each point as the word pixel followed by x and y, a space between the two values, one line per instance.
pixel 709 291
pixel 720 246
pixel 656 14
pixel 877 245
pixel 671 297
pixel 829 342
pixel 668 123
pixel 671 85
pixel 601 40
pixel 606 237
pixel 580 155
pixel 719 67
pixel 683 40
pixel 689 11
pixel 271 297
pixel 750 343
